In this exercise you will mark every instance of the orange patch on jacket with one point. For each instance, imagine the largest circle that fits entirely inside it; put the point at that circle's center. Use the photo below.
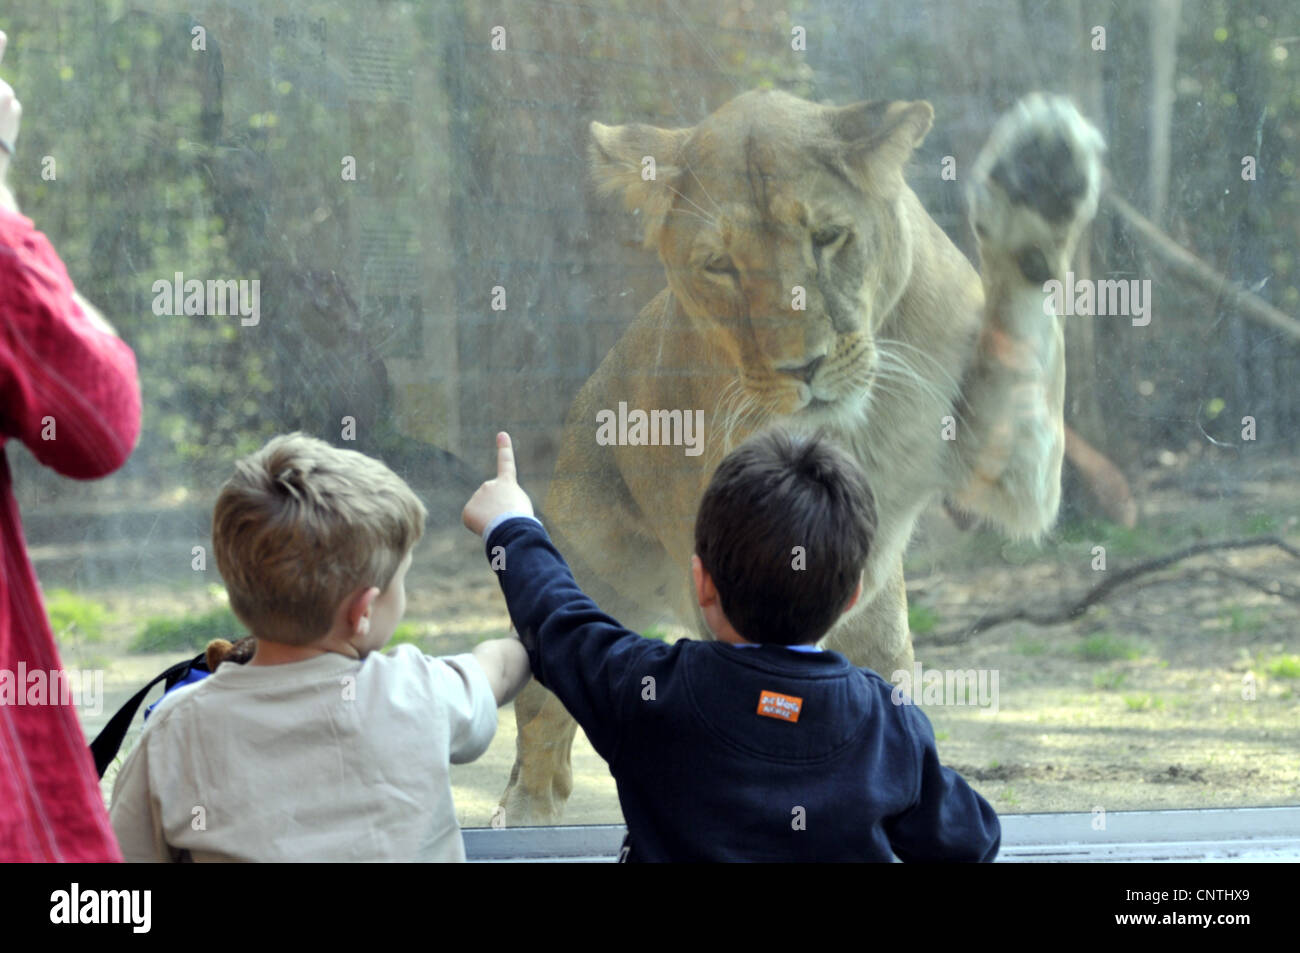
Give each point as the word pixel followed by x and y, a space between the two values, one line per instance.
pixel 776 705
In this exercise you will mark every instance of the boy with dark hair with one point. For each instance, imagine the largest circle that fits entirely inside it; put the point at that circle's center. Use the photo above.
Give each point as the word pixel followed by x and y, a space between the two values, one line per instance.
pixel 756 746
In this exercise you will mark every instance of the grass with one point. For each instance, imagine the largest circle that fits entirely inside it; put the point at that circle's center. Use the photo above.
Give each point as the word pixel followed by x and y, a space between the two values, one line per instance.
pixel 1030 648
pixel 1244 620
pixel 1284 666
pixel 1117 540
pixel 1106 647
pixel 161 634
pixel 1143 702
pixel 655 632
pixel 921 619
pixel 1073 540
pixel 406 633
pixel 74 617
pixel 1109 681
pixel 1261 524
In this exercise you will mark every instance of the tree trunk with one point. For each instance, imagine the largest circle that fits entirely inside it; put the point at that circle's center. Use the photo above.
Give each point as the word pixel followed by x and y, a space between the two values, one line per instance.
pixel 1163 34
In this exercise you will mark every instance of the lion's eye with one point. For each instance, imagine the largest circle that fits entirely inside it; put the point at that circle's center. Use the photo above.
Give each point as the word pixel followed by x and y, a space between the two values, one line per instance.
pixel 720 265
pixel 825 237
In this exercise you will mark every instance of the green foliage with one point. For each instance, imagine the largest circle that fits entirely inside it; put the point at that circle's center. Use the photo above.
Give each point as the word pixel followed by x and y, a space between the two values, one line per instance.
pixel 1109 681
pixel 1030 648
pixel 921 619
pixel 1242 620
pixel 1106 647
pixel 1261 524
pixel 1143 702
pixel 222 174
pixel 656 632
pixel 1118 540
pixel 162 634
pixel 1284 666
pixel 407 633
pixel 74 617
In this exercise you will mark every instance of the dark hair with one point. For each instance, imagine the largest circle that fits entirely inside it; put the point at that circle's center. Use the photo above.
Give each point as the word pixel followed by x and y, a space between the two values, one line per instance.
pixel 776 492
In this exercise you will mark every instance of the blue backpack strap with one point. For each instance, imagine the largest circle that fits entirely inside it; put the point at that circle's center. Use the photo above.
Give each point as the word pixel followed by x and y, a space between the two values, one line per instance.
pixel 106 744
pixel 195 674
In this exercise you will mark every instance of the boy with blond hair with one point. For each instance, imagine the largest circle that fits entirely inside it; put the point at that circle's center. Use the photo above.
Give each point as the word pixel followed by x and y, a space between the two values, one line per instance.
pixel 320 747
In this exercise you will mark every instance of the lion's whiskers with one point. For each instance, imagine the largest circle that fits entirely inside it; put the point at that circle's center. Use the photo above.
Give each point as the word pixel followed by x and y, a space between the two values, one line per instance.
pixel 704 213
pixel 723 397
pixel 737 408
pixel 686 211
pixel 715 205
pixel 663 329
pixel 934 362
pixel 726 407
pixel 894 368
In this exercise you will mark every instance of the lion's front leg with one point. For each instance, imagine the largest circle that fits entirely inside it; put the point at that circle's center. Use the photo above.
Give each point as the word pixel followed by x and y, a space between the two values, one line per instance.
pixel 874 634
pixel 542 777
pixel 1034 190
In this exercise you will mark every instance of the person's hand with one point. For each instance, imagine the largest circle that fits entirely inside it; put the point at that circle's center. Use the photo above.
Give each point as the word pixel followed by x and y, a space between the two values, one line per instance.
pixel 10 112
pixel 502 495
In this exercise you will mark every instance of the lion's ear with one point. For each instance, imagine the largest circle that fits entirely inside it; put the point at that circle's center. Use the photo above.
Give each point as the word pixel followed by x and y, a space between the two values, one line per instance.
pixel 641 163
pixel 882 132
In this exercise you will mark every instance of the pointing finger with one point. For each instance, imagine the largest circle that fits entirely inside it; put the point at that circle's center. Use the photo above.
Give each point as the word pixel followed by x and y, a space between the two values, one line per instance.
pixel 505 458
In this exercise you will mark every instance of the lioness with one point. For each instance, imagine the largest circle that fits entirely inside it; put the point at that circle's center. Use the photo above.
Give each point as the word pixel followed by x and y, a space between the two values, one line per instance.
pixel 807 285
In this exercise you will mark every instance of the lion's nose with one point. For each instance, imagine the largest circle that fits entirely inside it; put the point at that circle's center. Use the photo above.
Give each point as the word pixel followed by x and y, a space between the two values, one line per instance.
pixel 807 371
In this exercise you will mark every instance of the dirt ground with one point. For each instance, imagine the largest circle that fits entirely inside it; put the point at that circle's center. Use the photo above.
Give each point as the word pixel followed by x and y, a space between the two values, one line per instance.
pixel 1179 690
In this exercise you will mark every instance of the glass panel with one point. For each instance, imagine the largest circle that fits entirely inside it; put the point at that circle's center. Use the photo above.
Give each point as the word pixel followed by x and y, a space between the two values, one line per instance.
pixel 403 193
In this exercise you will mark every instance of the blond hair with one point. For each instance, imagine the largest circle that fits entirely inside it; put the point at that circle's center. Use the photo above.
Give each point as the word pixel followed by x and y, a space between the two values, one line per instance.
pixel 303 525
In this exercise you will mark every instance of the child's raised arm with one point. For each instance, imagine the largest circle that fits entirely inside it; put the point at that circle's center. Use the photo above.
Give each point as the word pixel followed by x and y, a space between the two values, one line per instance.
pixel 505 662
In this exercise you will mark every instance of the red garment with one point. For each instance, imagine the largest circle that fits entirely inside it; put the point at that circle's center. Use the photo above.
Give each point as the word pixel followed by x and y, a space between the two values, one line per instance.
pixel 53 364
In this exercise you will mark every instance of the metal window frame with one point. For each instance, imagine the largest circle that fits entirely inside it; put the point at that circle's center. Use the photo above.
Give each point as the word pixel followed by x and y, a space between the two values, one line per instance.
pixel 1250 834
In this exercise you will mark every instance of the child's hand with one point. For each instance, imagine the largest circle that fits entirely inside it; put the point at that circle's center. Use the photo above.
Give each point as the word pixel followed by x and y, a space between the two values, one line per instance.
pixel 502 495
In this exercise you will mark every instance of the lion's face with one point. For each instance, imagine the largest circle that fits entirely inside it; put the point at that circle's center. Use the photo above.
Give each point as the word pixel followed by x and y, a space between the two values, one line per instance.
pixel 778 222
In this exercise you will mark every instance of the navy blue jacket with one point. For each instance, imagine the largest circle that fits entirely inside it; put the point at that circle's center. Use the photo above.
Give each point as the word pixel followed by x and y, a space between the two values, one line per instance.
pixel 701 774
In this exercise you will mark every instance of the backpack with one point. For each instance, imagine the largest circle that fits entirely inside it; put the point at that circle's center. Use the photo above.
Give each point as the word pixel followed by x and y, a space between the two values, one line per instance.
pixel 106 744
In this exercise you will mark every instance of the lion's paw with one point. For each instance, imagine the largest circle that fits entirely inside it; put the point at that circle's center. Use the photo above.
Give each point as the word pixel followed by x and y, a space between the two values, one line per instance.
pixel 1035 185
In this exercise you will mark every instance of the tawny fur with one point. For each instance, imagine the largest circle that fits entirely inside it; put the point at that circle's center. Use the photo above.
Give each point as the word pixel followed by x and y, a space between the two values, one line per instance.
pixel 939 381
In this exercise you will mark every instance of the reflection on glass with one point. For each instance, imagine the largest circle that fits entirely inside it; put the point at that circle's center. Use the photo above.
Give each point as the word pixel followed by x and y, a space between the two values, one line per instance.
pixel 444 246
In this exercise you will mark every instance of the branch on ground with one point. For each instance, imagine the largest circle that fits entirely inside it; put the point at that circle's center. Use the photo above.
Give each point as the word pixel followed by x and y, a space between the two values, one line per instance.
pixel 1115 580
